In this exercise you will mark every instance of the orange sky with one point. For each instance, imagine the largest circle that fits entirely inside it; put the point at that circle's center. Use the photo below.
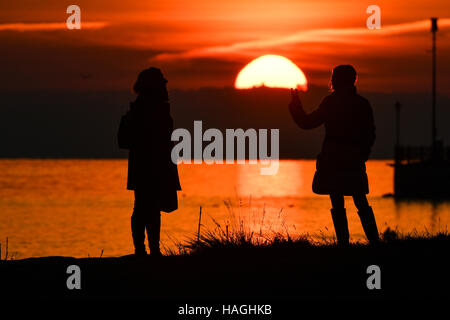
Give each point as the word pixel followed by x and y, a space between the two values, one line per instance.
pixel 205 43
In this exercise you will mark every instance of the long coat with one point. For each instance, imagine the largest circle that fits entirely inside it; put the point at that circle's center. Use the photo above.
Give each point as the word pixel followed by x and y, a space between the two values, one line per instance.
pixel 349 137
pixel 146 131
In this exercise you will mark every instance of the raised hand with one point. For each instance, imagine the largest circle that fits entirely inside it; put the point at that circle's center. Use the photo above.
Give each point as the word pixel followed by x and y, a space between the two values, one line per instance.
pixel 295 103
pixel 294 94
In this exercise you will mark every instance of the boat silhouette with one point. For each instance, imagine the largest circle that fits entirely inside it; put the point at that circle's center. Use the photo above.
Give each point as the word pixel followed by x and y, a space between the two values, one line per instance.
pixel 422 172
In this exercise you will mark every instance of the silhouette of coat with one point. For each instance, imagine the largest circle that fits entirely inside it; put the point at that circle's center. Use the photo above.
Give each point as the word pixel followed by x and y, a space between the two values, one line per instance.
pixel 146 131
pixel 349 137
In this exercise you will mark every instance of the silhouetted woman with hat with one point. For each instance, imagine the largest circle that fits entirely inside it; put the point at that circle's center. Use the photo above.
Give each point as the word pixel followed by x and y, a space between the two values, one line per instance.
pixel 146 131
pixel 349 137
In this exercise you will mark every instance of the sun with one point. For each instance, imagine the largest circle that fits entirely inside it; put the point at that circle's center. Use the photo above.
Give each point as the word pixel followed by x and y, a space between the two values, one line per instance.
pixel 272 71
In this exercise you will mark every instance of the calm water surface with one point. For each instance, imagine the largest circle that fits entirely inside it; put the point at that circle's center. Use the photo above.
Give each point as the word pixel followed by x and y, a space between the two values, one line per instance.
pixel 81 207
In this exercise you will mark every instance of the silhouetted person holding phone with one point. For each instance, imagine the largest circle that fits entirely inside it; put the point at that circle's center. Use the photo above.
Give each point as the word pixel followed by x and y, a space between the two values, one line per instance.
pixel 146 131
pixel 349 137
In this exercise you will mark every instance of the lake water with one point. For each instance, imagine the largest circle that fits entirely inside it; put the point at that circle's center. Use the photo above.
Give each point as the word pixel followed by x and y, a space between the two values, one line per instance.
pixel 81 207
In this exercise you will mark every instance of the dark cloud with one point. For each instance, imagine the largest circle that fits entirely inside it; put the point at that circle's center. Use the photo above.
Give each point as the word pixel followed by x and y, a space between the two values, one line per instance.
pixel 28 63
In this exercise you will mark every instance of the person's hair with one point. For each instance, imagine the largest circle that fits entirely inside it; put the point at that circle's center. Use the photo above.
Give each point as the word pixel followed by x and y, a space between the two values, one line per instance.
pixel 343 77
pixel 151 82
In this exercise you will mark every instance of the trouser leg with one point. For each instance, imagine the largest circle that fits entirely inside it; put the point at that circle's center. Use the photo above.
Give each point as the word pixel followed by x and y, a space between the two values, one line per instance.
pixel 138 233
pixel 146 216
pixel 138 225
pixel 339 216
pixel 153 227
pixel 367 218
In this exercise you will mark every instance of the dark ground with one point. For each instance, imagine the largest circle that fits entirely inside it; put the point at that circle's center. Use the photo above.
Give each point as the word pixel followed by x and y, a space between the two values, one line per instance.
pixel 409 269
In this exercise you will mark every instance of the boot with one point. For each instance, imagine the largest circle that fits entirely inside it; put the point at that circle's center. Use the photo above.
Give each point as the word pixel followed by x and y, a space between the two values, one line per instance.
pixel 138 233
pixel 369 225
pixel 339 217
pixel 153 234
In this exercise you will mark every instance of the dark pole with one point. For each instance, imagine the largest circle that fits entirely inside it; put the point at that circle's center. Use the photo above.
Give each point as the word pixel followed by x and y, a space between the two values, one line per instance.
pixel 397 123
pixel 434 28
pixel 397 133
pixel 199 225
